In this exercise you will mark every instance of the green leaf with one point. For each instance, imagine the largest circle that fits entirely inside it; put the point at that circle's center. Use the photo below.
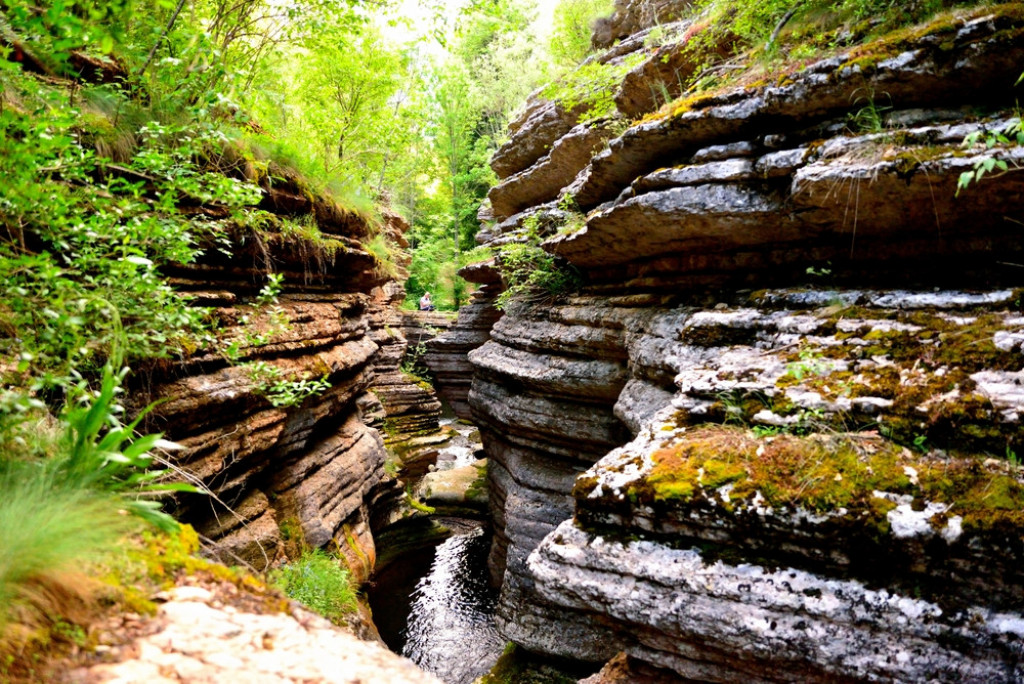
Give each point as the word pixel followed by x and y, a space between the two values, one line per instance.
pixel 142 446
pixel 175 487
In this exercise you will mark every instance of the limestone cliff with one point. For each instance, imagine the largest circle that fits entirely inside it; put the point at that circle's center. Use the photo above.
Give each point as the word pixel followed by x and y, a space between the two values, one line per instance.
pixel 777 431
pixel 288 460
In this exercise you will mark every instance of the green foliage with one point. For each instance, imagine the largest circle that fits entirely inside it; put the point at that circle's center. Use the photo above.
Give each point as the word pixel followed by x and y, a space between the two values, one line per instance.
pixel 317 581
pixel 495 60
pixel 573 20
pixel 591 87
pixel 413 365
pixel 500 46
pixel 810 364
pixel 990 163
pixel 348 103
pixel 59 27
pixel 100 452
pixel 84 238
pixel 281 392
pixel 532 275
pixel 869 117
pixel 64 485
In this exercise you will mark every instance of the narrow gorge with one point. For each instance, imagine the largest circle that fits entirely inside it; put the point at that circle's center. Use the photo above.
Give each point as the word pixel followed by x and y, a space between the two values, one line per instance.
pixel 735 393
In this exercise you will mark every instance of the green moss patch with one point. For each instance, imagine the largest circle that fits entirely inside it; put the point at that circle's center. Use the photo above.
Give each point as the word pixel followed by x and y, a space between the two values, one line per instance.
pixel 824 473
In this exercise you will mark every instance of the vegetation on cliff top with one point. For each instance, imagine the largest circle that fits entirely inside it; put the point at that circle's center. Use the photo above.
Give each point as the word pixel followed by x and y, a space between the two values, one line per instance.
pixel 734 44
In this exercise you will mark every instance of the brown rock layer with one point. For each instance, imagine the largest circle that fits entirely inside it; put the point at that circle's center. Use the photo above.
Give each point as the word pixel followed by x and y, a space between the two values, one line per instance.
pixel 284 463
pixel 447 355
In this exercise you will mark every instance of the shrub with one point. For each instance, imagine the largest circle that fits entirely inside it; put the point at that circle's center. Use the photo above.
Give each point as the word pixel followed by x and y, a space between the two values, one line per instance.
pixel 317 581
pixel 591 87
pixel 533 275
pixel 84 239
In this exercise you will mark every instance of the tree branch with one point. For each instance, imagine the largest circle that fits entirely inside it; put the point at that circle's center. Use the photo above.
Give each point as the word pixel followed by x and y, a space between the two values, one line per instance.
pixel 163 35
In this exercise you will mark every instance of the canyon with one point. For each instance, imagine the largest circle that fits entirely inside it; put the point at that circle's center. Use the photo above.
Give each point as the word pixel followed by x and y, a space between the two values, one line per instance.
pixel 774 434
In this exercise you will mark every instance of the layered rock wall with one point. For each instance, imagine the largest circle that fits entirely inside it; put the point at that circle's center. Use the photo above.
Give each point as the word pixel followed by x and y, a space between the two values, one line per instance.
pixel 289 462
pixel 447 355
pixel 851 514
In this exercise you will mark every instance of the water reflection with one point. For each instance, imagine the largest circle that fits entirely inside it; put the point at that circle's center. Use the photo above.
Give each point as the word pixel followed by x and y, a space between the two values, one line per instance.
pixel 451 630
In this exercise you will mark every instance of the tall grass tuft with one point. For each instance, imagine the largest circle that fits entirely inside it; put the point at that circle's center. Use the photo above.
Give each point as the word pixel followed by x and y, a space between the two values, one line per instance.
pixel 317 581
pixel 48 531
pixel 66 489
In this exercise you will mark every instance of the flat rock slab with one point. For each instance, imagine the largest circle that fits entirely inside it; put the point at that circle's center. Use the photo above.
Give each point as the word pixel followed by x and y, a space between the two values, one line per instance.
pixel 710 620
pixel 198 640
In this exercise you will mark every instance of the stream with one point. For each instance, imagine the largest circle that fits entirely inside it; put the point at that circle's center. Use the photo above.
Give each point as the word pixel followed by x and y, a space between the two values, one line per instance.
pixel 451 631
pixel 435 605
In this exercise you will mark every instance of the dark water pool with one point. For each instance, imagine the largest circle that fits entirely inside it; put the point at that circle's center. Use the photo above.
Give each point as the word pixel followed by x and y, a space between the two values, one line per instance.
pixel 436 607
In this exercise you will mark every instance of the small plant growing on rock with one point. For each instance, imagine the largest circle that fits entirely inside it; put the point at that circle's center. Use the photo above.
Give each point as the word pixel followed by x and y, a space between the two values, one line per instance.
pixel 532 275
pixel 317 581
pixel 990 164
pixel 280 391
pixel 810 363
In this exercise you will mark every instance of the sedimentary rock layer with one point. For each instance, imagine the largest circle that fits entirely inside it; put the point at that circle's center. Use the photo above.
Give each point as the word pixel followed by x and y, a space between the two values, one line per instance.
pixel 446 355
pixel 841 573
pixel 710 620
pixel 271 414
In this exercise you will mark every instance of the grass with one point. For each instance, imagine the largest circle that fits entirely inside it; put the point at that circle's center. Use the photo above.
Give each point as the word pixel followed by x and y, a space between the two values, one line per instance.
pixel 317 581
pixel 730 45
pixel 49 532
pixel 66 487
pixel 285 156
pixel 110 124
pixel 386 255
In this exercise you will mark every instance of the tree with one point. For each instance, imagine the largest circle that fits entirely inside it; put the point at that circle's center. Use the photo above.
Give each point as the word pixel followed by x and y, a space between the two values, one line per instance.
pixel 350 90
pixel 570 38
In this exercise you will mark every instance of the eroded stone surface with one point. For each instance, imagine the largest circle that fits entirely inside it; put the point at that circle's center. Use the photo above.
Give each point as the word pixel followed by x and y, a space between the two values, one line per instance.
pixel 447 355
pixel 975 63
pixel 710 619
pixel 531 136
pixel 197 639
pixel 914 347
pixel 633 16
pixel 543 181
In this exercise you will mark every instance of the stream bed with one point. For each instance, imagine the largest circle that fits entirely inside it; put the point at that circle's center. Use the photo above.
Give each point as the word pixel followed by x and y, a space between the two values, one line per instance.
pixel 434 604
